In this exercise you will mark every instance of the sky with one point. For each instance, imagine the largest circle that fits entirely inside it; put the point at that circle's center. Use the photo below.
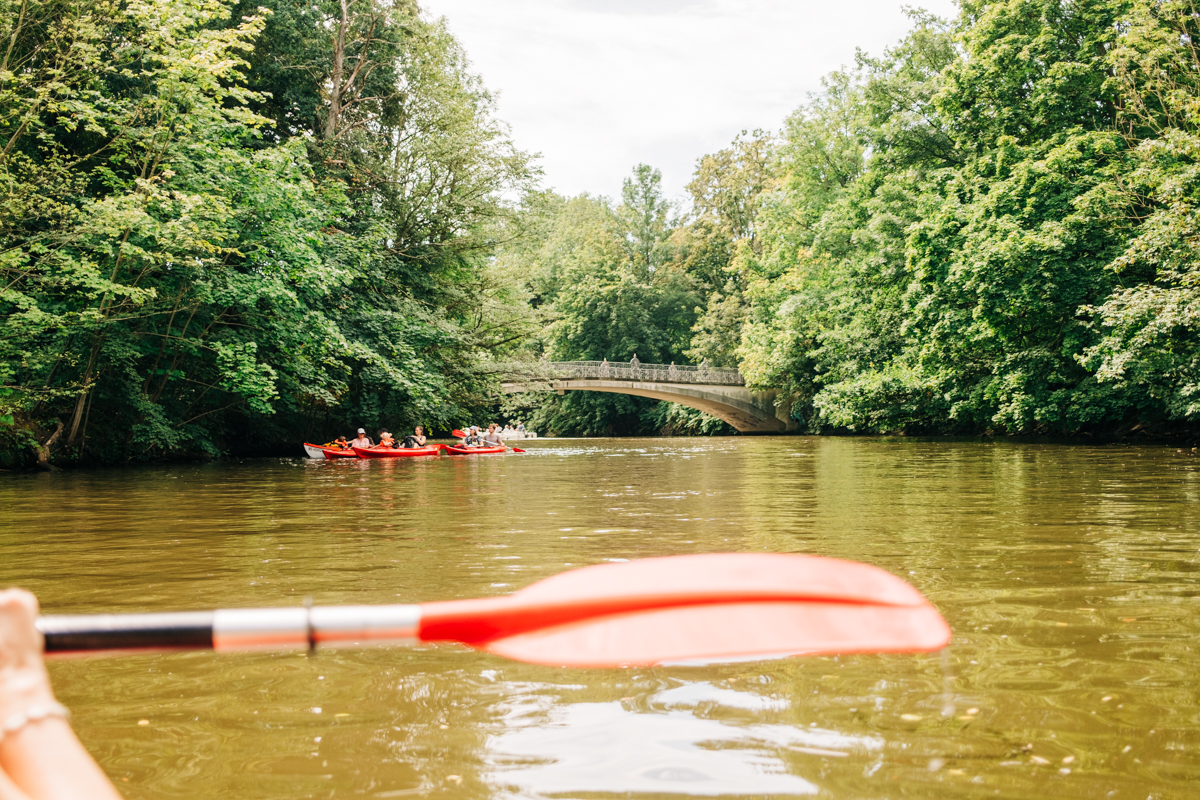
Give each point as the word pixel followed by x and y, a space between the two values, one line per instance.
pixel 598 86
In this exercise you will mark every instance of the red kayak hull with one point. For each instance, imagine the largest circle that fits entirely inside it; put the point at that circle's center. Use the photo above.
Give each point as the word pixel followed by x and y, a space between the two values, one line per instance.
pixel 328 452
pixel 474 451
pixel 393 452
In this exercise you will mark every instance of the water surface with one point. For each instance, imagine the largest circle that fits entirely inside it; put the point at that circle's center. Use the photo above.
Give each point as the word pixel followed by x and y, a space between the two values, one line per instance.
pixel 1068 575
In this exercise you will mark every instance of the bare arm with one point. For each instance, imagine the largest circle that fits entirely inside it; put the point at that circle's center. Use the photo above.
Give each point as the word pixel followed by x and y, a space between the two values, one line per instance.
pixel 41 759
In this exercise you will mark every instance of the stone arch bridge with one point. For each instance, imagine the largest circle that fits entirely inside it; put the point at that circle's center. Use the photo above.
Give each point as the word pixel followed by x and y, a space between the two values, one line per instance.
pixel 720 392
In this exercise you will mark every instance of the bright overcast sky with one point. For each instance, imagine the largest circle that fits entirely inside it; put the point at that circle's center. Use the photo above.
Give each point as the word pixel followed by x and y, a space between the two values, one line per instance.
pixel 597 86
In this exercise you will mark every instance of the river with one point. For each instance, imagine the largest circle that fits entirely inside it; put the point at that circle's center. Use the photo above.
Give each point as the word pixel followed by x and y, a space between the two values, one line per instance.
pixel 1068 574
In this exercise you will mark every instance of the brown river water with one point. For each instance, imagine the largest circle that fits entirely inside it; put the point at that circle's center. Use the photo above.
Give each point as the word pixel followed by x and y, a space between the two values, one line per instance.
pixel 1068 574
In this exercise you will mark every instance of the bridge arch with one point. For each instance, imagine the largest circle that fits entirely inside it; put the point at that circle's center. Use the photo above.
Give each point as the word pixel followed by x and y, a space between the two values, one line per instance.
pixel 720 392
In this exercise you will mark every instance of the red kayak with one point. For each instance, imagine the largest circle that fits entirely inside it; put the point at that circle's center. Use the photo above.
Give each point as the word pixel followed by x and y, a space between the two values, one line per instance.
pixel 474 451
pixel 320 451
pixel 396 452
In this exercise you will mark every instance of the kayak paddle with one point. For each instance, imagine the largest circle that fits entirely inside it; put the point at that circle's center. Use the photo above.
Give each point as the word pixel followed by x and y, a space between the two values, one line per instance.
pixel 692 608
pixel 457 434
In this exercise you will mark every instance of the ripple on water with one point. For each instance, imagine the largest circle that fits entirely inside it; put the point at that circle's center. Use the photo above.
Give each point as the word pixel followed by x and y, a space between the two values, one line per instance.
pixel 602 748
pixel 1068 575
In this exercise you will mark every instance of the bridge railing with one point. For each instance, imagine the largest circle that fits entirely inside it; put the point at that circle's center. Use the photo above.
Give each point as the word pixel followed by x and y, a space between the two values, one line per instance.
pixel 637 371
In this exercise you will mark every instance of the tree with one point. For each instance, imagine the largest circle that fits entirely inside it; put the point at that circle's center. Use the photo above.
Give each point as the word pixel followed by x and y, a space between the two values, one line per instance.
pixel 186 276
pixel 1149 353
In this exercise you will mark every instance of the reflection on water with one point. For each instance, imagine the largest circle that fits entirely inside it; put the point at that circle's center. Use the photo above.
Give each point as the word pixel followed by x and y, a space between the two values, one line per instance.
pixel 1067 573
pixel 693 738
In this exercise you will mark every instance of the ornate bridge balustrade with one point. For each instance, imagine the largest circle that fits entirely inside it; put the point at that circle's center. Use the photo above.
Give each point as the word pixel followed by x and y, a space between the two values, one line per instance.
pixel 637 371
pixel 720 392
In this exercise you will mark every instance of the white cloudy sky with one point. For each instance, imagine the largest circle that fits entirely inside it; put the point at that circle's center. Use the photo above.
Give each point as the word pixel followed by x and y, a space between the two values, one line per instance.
pixel 597 86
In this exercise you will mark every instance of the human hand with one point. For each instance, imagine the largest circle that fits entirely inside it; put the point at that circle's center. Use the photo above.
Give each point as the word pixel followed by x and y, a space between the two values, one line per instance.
pixel 40 756
pixel 24 682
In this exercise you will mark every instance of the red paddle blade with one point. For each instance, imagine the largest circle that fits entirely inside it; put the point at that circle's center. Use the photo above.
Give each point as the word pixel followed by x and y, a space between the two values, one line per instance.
pixel 516 449
pixel 713 607
pixel 458 434
pixel 722 633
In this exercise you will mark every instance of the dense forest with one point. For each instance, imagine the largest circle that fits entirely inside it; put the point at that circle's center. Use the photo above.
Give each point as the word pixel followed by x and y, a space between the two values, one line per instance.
pixel 225 228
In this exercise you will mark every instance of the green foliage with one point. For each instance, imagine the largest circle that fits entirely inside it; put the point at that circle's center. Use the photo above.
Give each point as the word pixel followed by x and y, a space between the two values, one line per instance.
pixel 989 228
pixel 609 285
pixel 223 231
pixel 225 227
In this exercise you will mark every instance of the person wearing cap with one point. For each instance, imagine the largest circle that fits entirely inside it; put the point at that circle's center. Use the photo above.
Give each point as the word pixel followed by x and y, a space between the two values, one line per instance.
pixel 472 438
pixel 362 440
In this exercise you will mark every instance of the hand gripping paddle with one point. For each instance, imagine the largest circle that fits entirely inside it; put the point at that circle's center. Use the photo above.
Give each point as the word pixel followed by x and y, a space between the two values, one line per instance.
pixel 694 608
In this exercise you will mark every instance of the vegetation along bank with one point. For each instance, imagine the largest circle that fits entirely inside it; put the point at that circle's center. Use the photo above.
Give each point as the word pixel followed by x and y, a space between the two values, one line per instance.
pixel 225 227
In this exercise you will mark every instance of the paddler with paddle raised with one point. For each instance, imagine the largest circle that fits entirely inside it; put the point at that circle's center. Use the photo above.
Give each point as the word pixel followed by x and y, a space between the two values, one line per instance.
pixel 40 756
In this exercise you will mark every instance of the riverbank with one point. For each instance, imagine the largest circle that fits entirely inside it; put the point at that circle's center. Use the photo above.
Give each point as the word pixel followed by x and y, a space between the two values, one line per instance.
pixel 24 449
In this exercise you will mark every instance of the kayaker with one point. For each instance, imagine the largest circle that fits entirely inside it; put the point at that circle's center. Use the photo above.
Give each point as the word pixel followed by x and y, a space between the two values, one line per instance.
pixel 493 437
pixel 416 439
pixel 340 443
pixel 386 439
pixel 362 440
pixel 40 756
pixel 472 439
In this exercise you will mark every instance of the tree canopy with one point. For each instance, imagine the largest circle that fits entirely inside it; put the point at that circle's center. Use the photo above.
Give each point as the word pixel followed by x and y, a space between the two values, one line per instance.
pixel 229 228
pixel 226 227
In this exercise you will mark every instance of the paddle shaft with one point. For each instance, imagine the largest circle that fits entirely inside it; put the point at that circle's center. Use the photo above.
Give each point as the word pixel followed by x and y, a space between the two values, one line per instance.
pixel 232 629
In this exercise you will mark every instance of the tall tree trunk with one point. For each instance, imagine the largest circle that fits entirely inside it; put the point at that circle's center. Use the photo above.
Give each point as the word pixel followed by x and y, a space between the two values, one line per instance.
pixel 81 401
pixel 337 78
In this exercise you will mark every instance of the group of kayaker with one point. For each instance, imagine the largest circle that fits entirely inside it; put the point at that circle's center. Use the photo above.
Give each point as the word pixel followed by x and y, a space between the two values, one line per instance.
pixel 415 439
pixel 490 438
pixel 474 437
